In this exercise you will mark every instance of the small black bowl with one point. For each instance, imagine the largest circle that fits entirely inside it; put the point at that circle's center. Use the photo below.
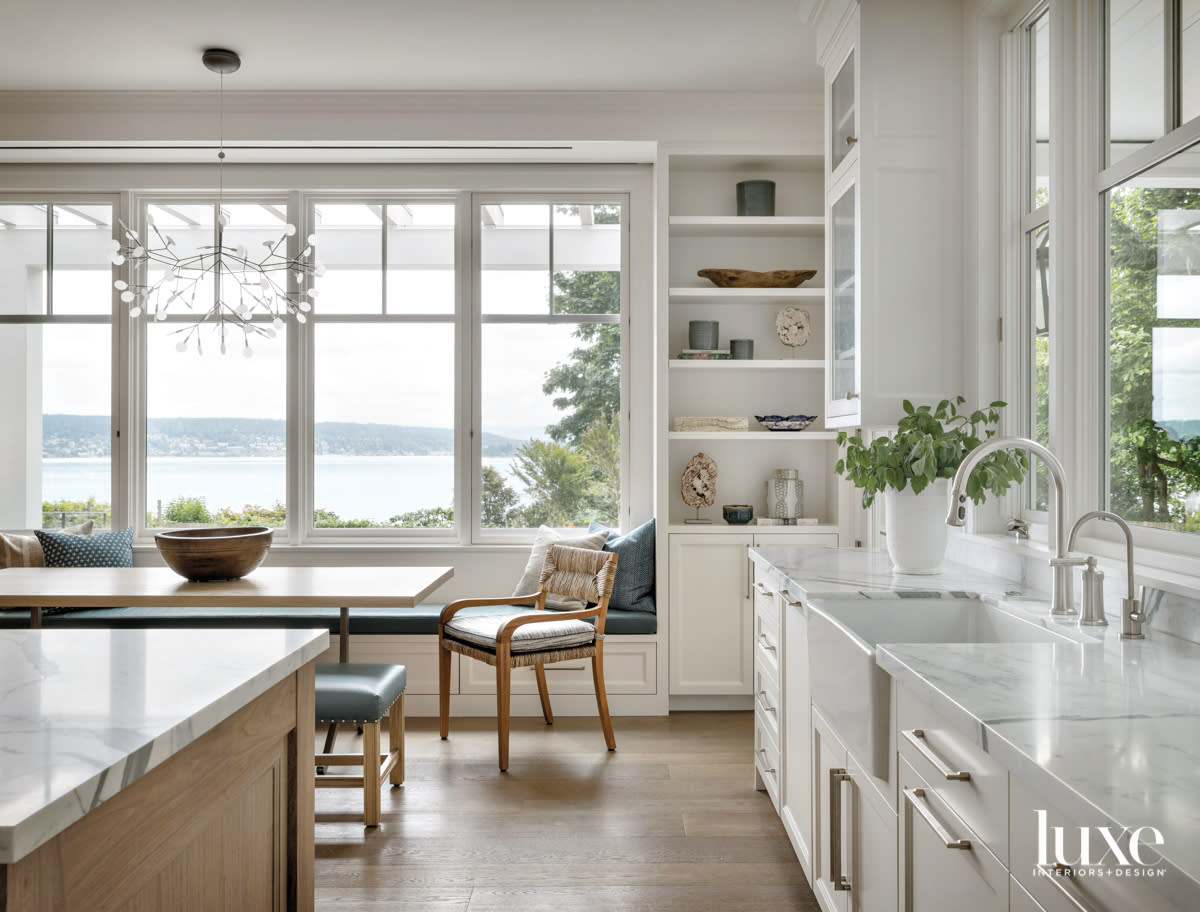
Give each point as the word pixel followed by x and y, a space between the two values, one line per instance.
pixel 737 514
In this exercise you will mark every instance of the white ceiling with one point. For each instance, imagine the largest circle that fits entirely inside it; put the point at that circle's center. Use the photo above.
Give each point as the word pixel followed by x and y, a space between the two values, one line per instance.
pixel 412 45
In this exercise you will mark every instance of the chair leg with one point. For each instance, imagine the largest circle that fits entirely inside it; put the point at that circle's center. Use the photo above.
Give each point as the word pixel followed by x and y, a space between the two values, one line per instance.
pixel 503 688
pixel 371 783
pixel 444 688
pixel 396 739
pixel 543 692
pixel 602 697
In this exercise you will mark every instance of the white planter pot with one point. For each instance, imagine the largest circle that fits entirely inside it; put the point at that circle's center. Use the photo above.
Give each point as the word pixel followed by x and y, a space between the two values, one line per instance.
pixel 916 527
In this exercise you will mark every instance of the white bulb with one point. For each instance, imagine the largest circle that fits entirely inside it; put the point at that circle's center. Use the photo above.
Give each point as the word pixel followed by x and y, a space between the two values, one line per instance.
pixel 300 318
pixel 161 315
pixel 247 352
pixel 120 284
pixel 223 220
pixel 139 251
pixel 313 293
pixel 306 251
pixel 269 333
pixel 127 296
pixel 304 306
pixel 114 245
pixel 181 345
pixel 116 259
pixel 135 311
pixel 319 270
pixel 241 251
pixel 170 241
pixel 312 239
pixel 289 229
pixel 222 346
pixel 277 323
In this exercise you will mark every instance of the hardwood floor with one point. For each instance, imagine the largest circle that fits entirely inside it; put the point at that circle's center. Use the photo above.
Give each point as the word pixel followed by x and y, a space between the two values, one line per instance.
pixel 669 821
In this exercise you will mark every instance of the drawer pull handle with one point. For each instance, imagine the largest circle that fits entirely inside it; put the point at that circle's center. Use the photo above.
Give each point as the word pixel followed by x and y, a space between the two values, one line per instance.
pixel 917 739
pixel 761 589
pixel 922 808
pixel 836 777
pixel 1056 874
pixel 766 642
pixel 765 705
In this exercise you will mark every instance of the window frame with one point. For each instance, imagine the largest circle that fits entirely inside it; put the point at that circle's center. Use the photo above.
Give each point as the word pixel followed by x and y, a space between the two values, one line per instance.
pixel 119 516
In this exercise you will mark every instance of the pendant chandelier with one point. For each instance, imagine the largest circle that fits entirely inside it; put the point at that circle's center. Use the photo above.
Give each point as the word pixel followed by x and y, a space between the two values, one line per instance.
pixel 245 285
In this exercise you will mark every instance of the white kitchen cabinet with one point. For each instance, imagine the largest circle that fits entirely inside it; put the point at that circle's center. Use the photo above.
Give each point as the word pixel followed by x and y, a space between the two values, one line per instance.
pixel 943 864
pixel 854 838
pixel 797 730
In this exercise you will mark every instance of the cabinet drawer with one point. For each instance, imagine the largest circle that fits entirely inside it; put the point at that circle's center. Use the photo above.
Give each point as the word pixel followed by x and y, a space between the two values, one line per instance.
pixel 934 748
pixel 766 697
pixel 629 668
pixel 766 607
pixel 943 863
pixel 1111 891
pixel 767 641
pixel 766 761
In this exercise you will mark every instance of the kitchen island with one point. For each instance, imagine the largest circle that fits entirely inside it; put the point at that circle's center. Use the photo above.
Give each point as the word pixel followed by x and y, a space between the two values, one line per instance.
pixel 155 769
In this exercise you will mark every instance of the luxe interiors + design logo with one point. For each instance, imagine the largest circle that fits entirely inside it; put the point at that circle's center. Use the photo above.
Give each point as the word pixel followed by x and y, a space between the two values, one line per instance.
pixel 1101 851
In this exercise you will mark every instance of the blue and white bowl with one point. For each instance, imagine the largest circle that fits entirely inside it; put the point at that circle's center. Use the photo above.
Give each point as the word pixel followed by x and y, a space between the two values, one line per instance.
pixel 785 422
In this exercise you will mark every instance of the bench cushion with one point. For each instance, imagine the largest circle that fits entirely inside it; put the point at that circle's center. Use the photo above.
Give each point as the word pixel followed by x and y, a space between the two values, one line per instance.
pixel 357 691
pixel 421 619
pixel 481 630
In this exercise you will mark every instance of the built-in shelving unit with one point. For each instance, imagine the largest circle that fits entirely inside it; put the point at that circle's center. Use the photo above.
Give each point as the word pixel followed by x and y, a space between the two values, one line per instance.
pixel 704 231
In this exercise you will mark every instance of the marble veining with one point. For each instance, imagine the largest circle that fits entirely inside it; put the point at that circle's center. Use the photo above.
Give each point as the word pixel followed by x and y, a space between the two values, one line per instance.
pixel 85 713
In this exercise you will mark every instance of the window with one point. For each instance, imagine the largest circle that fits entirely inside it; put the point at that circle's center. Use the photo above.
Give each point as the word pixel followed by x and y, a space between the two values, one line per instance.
pixel 384 357
pixel 551 293
pixel 459 379
pixel 56 362
pixel 1154 345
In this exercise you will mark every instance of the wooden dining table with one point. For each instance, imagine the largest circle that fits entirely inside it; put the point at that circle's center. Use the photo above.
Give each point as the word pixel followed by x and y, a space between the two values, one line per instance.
pixel 345 588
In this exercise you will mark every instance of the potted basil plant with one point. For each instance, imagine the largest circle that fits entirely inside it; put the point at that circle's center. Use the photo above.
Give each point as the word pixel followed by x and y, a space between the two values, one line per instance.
pixel 912 468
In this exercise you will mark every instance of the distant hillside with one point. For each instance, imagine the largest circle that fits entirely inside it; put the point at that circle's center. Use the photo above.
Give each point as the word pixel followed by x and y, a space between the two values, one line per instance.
pixel 87 435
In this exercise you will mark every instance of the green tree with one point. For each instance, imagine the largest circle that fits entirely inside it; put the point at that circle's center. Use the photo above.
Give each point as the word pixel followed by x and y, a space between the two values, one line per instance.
pixel 425 518
pixel 601 446
pixel 558 480
pixel 498 501
pixel 187 510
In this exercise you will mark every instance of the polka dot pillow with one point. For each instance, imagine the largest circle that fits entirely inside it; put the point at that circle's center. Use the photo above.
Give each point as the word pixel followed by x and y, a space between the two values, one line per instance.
pixel 100 549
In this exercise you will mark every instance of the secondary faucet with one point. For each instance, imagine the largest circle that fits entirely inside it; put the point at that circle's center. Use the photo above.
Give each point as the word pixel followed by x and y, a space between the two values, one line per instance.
pixel 1093 583
pixel 1060 563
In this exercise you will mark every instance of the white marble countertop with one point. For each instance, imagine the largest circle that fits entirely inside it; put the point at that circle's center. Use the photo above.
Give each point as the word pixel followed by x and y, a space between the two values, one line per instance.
pixel 85 713
pixel 1106 727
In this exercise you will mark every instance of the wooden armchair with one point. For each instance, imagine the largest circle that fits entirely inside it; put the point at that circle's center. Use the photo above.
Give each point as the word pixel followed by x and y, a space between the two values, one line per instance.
pixel 534 637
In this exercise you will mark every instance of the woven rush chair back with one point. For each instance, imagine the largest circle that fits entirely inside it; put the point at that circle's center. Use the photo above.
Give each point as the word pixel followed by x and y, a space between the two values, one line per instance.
pixel 582 574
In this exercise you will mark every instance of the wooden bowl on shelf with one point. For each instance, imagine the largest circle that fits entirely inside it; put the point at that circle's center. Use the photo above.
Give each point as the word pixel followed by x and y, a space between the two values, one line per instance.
pixel 745 278
pixel 209 554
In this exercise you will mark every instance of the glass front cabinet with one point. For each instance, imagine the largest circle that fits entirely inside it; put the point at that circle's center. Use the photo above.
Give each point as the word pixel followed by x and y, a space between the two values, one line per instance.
pixel 843 377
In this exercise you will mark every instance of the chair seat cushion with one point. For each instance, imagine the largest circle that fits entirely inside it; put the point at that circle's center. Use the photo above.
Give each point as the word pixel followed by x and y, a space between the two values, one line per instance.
pixel 357 691
pixel 481 630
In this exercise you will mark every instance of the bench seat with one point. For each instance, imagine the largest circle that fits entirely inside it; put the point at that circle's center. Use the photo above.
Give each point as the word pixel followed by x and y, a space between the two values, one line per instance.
pixel 422 619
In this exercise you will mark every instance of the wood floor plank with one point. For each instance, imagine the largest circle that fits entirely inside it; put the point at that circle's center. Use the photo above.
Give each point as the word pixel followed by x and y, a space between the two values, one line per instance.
pixel 669 821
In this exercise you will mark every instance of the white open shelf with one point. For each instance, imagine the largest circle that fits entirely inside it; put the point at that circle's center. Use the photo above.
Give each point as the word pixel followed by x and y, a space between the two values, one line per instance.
pixel 752 435
pixel 687 291
pixel 749 225
pixel 747 364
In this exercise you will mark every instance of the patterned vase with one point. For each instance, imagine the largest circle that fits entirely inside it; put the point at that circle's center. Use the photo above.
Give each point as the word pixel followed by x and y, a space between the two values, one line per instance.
pixel 785 495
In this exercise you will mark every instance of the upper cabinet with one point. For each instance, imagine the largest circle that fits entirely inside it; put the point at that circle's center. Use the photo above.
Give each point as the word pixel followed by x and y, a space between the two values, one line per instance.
pixel 898 307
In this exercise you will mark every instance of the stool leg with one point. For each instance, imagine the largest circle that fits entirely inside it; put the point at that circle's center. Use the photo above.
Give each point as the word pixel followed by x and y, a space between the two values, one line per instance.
pixel 396 739
pixel 371 784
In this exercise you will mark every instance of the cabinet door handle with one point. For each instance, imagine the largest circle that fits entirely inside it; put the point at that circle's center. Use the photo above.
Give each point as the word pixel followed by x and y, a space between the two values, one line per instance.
pixel 836 777
pixel 922 807
pixel 1056 874
pixel 766 706
pixel 763 751
pixel 761 589
pixel 766 644
pixel 851 140
pixel 917 739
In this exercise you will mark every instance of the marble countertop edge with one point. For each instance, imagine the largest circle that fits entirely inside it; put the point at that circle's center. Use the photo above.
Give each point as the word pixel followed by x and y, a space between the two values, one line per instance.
pixel 19 839
pixel 1017 761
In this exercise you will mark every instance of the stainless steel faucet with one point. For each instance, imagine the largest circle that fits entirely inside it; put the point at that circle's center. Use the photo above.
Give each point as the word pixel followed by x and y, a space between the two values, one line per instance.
pixel 1093 583
pixel 1060 563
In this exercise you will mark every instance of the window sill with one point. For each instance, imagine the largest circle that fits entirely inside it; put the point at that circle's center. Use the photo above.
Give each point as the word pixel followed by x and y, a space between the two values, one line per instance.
pixel 1156 569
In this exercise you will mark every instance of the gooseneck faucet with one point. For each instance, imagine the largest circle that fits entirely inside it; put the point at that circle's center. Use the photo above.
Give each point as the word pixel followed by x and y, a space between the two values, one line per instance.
pixel 1093 579
pixel 1060 563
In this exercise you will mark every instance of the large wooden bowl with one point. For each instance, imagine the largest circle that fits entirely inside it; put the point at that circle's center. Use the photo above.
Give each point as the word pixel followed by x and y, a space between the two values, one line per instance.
pixel 221 553
pixel 746 278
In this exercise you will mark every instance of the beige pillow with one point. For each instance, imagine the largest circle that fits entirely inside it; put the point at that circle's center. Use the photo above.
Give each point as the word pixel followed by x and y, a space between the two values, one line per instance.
pixel 537 559
pixel 25 550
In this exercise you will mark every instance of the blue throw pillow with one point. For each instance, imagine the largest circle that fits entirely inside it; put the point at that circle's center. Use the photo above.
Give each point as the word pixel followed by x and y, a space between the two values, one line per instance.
pixel 100 549
pixel 633 589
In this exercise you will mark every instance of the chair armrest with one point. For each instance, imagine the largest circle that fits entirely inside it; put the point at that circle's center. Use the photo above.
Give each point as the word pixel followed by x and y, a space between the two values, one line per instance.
pixel 515 600
pixel 505 633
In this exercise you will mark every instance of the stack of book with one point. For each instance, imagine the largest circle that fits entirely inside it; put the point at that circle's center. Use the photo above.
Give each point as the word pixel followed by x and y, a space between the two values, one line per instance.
pixel 704 354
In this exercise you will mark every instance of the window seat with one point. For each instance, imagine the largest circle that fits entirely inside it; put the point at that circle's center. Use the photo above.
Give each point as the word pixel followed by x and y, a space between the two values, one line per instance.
pixel 423 619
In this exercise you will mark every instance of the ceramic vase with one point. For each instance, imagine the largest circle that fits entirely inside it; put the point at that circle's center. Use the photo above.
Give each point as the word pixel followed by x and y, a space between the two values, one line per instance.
pixel 916 527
